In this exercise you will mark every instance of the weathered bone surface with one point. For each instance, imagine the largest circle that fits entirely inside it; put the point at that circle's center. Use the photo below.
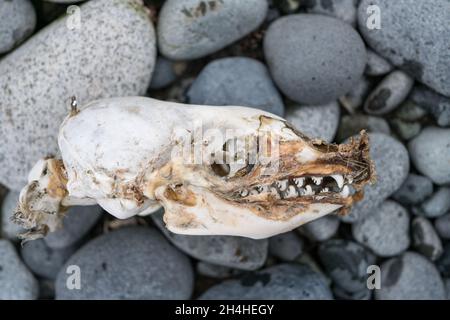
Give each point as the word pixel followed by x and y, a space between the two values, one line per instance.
pixel 132 155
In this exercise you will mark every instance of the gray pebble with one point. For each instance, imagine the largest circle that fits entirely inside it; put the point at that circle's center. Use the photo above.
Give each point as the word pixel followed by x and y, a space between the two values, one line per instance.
pixel 410 111
pixel 410 277
pixel 356 96
pixel 376 64
pixel 341 9
pixel 312 66
pixel 414 190
pixel 435 103
pixel 111 54
pixel 385 230
pixel 425 239
pixel 17 22
pixel 442 226
pixel 286 246
pixel 76 224
pixel 417 48
pixel 447 287
pixel 128 263
pixel 443 263
pixel 192 29
pixel 229 251
pixel 430 154
pixel 391 166
pixel 283 281
pixel 165 73
pixel 44 261
pixel 315 121
pixel 9 229
pixel 389 94
pixel 16 281
pixel 320 229
pixel 339 293
pixel 353 124
pixel 346 263
pixel 237 81
pixel 436 205
pixel 215 271
pixel 405 130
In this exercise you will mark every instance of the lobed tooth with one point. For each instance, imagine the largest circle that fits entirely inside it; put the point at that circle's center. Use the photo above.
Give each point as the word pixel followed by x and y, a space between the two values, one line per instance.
pixel 324 190
pixel 299 181
pixel 262 189
pixel 244 193
pixel 339 180
pixel 308 190
pixel 282 185
pixel 350 179
pixel 290 192
pixel 345 191
pixel 317 180
pixel 275 193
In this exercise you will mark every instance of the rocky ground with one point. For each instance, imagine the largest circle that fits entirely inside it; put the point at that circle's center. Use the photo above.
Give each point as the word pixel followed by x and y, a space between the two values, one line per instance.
pixel 314 62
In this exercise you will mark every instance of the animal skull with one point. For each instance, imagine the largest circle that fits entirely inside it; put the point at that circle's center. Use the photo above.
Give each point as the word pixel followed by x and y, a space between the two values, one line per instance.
pixel 215 170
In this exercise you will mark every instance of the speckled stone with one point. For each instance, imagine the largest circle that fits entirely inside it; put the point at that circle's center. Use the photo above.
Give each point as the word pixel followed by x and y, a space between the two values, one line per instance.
pixel 315 121
pixel 356 96
pixel 425 238
pixel 310 65
pixel 341 294
pixel 286 246
pixel 392 167
pixel 229 251
pixel 16 281
pixel 192 29
pixel 389 93
pixel 341 9
pixel 442 226
pixel 443 263
pixel 283 281
pixel 353 124
pixel 413 36
pixel 435 103
pixel 17 22
pixel 410 276
pixel 430 154
pixel 112 54
pixel 376 64
pixel 236 81
pixel 414 190
pixel 436 205
pixel 215 271
pixel 9 229
pixel 385 230
pixel 128 263
pixel 320 229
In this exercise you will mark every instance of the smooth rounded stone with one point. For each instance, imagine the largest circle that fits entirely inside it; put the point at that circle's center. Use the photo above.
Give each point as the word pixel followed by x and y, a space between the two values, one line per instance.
pixel 430 154
pixel 392 167
pixel 410 276
pixel 16 281
pixel 315 121
pixel 286 246
pixel 405 130
pixel 310 65
pixel 128 263
pixel 376 64
pixel 410 111
pixel 76 224
pixel 385 230
pixel 346 263
pixel 425 239
pixel 320 229
pixel 436 205
pixel 414 190
pixel 165 73
pixel 229 251
pixel 436 104
pixel 111 54
pixel 356 96
pixel 280 282
pixel 9 229
pixel 389 94
pixel 192 29
pixel 43 260
pixel 215 271
pixel 64 1
pixel 339 293
pixel 447 287
pixel 442 226
pixel 341 9
pixel 419 50
pixel 237 81
pixel 443 263
pixel 353 124
pixel 17 22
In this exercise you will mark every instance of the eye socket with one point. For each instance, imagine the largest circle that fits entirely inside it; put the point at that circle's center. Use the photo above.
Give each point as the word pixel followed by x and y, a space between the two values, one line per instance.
pixel 220 169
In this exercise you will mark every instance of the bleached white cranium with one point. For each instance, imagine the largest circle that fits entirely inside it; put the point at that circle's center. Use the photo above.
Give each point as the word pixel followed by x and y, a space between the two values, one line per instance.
pixel 216 170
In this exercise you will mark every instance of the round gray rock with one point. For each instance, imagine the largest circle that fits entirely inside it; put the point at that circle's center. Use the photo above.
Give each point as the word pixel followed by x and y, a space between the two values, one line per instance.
pixel 353 124
pixel 436 205
pixel 410 277
pixel 315 121
pixel 376 64
pixel 430 154
pixel 341 9
pixel 229 251
pixel 9 229
pixel 425 238
pixel 236 81
pixel 413 36
pixel 17 22
pixel 320 229
pixel 192 29
pixel 385 230
pixel 286 246
pixel 414 190
pixel 314 59
pixel 283 281
pixel 215 271
pixel 129 263
pixel 16 281
pixel 166 72
pixel 442 226
pixel 111 54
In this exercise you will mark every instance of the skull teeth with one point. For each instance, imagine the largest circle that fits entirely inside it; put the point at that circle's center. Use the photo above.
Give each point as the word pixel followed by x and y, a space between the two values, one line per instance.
pixel 339 180
pixel 317 180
